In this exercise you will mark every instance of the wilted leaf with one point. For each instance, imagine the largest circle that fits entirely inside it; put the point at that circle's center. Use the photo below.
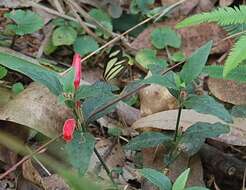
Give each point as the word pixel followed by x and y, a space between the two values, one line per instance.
pixel 163 37
pixel 64 35
pixel 147 57
pixel 26 22
pixel 206 104
pixel 195 135
pixel 180 182
pixel 146 140
pixel 195 63
pixel 157 178
pixel 80 150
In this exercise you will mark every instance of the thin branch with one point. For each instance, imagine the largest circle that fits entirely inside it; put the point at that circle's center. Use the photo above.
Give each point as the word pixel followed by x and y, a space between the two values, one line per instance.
pixel 37 151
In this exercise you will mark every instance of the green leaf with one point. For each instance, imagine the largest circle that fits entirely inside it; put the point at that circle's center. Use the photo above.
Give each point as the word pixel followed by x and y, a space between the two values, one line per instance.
pixel 165 36
pixel 216 71
pixel 84 45
pixel 236 56
pixel 146 57
pixel 116 132
pixel 167 80
pixel 157 178
pixel 194 136
pixel 196 188
pixel 180 182
pixel 195 63
pixel 67 81
pixel 239 111
pixel 178 56
pixel 30 68
pixel 49 47
pixel 93 103
pixel 26 22
pixel 86 91
pixel 64 35
pixel 3 72
pixel 104 19
pixel 79 151
pixel 206 104
pixel 140 5
pixel 17 87
pixel 147 139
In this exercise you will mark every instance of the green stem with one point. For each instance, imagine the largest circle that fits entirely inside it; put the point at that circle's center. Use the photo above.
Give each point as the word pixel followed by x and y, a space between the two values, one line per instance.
pixel 104 166
pixel 177 123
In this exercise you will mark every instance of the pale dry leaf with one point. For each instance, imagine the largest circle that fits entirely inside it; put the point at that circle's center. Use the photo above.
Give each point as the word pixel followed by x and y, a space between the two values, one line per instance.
pixel 228 91
pixel 156 98
pixel 225 3
pixel 30 173
pixel 166 120
pixel 54 182
pixel 37 108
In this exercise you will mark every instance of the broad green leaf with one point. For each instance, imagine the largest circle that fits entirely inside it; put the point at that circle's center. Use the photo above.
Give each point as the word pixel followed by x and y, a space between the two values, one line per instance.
pixel 157 68
pixel 64 35
pixel 239 111
pixel 17 87
pixel 196 188
pixel 146 140
pixel 216 71
pixel 146 57
pixel 195 63
pixel 86 91
pixel 167 80
pixel 3 72
pixel 67 81
pixel 59 22
pixel 165 36
pixel 93 103
pixel 84 45
pixel 26 66
pixel 104 19
pixel 79 151
pixel 157 178
pixel 180 182
pixel 194 136
pixel 49 47
pixel 178 56
pixel 26 22
pixel 207 104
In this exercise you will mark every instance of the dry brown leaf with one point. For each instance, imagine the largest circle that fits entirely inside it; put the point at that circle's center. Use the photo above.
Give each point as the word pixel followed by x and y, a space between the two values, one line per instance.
pixel 192 37
pixel 225 3
pixel 166 120
pixel 156 98
pixel 30 173
pixel 38 109
pixel 54 182
pixel 228 91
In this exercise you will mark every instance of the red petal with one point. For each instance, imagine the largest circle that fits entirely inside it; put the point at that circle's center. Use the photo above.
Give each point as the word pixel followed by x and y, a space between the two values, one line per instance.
pixel 77 66
pixel 68 129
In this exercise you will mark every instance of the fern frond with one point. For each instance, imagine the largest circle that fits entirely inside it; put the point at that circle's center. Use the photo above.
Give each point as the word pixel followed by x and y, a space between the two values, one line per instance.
pixel 235 29
pixel 222 16
pixel 236 56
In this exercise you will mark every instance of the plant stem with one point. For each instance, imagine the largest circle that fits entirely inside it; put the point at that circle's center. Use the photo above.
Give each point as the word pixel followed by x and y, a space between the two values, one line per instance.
pixel 177 123
pixel 104 165
pixel 13 41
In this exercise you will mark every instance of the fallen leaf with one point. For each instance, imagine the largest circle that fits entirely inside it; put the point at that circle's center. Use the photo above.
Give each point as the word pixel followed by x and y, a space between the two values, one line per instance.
pixel 38 109
pixel 156 98
pixel 228 91
pixel 54 182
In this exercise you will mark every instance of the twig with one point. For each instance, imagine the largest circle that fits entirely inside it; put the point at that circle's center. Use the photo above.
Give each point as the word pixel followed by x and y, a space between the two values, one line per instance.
pixel 52 11
pixel 38 150
pixel 177 123
pixel 87 30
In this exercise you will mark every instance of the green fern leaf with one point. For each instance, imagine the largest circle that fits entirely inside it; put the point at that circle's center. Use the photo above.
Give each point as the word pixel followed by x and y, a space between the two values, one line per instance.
pixel 236 56
pixel 222 16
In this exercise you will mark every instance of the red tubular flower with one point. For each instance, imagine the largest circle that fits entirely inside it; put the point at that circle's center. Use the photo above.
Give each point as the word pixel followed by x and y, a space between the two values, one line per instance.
pixel 77 67
pixel 68 129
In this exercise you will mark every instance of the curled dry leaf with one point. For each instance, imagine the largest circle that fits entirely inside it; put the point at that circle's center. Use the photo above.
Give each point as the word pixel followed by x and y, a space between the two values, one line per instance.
pixel 228 91
pixel 38 109
pixel 156 98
